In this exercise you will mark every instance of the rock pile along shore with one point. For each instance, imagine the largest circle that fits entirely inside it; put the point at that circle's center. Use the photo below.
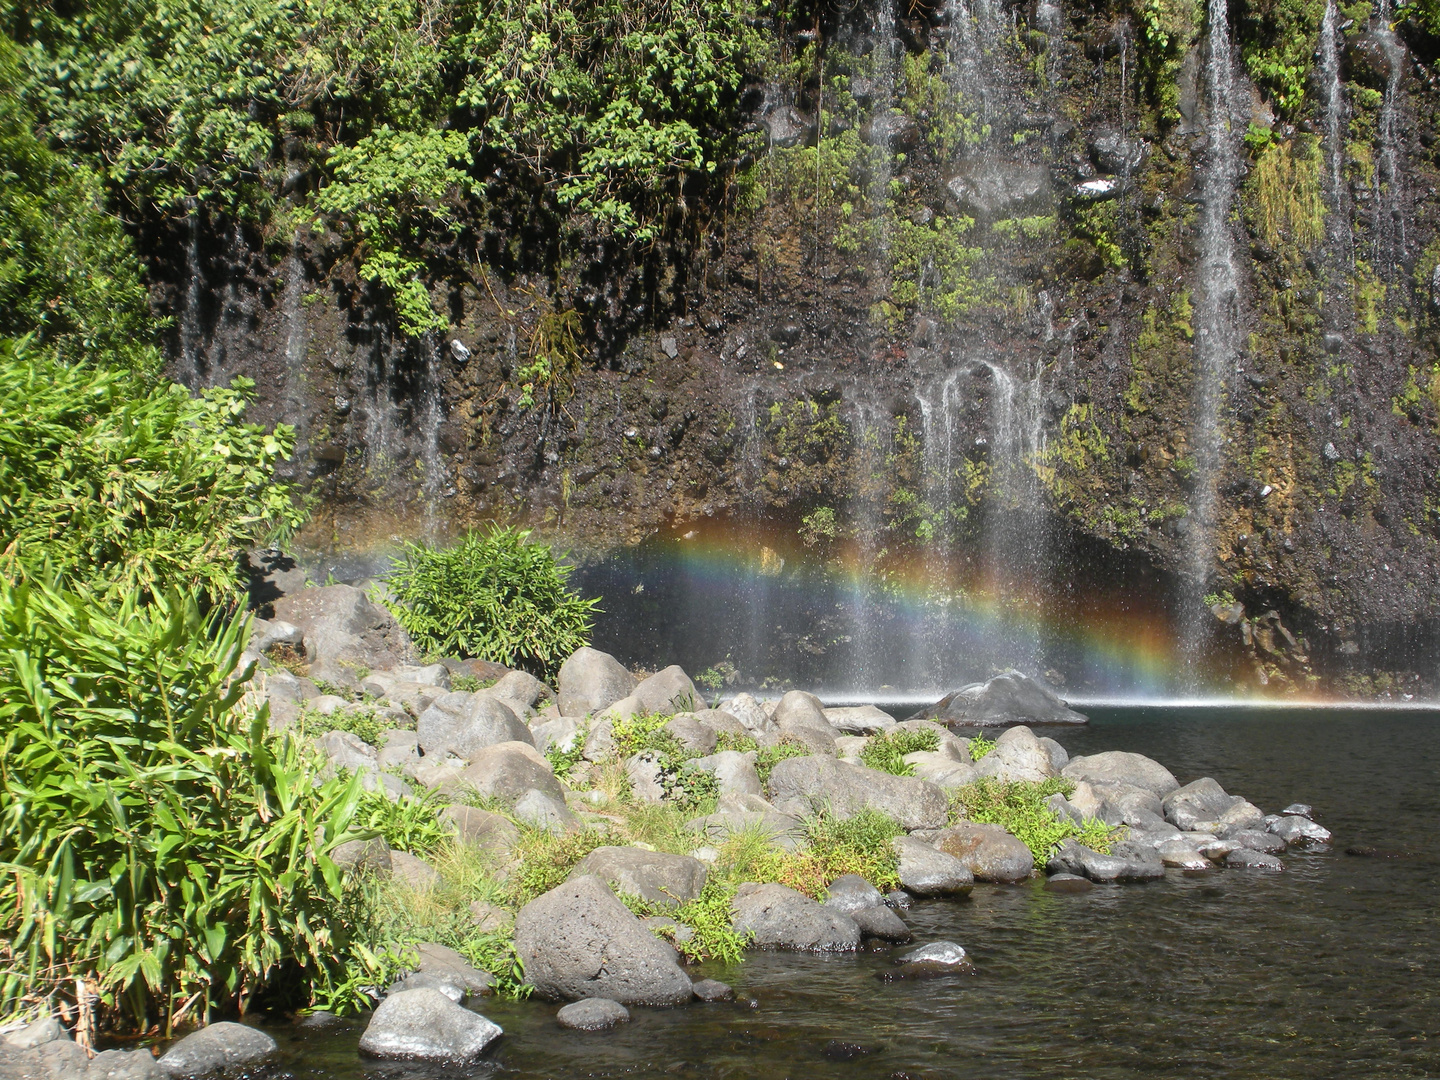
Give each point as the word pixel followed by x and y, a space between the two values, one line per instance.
pixel 518 757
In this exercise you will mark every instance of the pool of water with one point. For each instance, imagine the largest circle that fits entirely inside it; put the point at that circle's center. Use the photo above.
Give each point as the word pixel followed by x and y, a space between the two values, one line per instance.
pixel 1331 969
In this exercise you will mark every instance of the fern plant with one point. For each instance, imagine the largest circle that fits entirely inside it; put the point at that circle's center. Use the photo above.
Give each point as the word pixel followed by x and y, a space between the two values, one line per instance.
pixel 495 595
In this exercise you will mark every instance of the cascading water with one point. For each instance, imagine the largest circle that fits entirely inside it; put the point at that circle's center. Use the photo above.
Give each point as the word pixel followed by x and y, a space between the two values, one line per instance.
pixel 297 342
pixel 431 413
pixel 191 332
pixel 870 433
pixel 1332 89
pixel 1217 326
pixel 1389 182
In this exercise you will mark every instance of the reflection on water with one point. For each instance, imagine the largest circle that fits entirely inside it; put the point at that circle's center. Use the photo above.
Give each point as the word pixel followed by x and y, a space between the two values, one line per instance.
pixel 1331 969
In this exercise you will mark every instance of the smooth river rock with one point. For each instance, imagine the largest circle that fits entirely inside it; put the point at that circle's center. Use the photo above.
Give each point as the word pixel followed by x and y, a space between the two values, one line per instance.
pixel 592 1014
pixel 590 681
pixel 805 785
pixel 507 771
pixel 425 1025
pixel 990 852
pixel 223 1045
pixel 579 941
pixel 1122 767
pixel 778 917
pixel 1011 698
pixel 926 871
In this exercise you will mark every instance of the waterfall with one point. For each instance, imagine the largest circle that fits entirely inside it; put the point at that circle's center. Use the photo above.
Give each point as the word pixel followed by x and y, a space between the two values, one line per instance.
pixel 870 434
pixel 297 343
pixel 191 332
pixel 430 414
pixel 1217 324
pixel 1389 213
pixel 1333 92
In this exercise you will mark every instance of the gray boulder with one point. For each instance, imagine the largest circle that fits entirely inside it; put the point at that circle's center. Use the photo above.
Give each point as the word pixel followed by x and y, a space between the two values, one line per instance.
pixel 798 709
pixel 265 635
pixel 560 732
pixel 223 1045
pixel 1074 858
pixel 1066 882
pixel 398 748
pixel 363 856
pixel 1126 804
pixel 1198 803
pixel 750 713
pixel 926 871
pixel 443 962
pixel 1122 767
pixel 481 828
pixel 344 750
pixel 342 625
pixel 541 810
pixel 713 990
pixel 990 852
pixel 463 725
pixel 425 1025
pixel 578 941
pixel 734 772
pixel 1182 855
pixel 1142 860
pixel 1248 859
pixel 857 898
pixel 667 691
pixel 590 681
pixel 521 692
pixel 782 830
pixel 696 737
pixel 592 1014
pixel 859 719
pixel 36 1033
pixel 124 1065
pixel 415 872
pixel 507 771
pixel 1300 831
pixel 720 722
pixel 778 917
pixel 656 876
pixel 1059 756
pixel 1018 755
pixel 1011 698
pixel 645 776
pixel 805 785
pixel 1242 816
pixel 937 952
pixel 1257 840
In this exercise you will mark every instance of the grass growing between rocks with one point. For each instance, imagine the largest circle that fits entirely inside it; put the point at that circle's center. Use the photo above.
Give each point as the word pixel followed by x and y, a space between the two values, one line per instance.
pixel 887 752
pixel 1018 806
pixel 410 825
pixel 766 757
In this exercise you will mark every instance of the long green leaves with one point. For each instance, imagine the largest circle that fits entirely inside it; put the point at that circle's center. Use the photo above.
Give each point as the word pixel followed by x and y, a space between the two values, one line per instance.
pixel 494 595
pixel 155 840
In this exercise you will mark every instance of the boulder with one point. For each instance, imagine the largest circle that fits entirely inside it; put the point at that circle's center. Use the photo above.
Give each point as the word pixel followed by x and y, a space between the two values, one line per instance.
pixel 520 691
pixel 734 772
pixel 655 876
pixel 265 635
pixel 1065 882
pixel 990 852
pixel 124 1065
pixel 1059 756
pixel 425 1025
pixel 398 748
pixel 644 773
pixel 942 770
pixel 696 737
pixel 750 713
pixel 36 1033
pixel 782 830
pixel 804 785
pixel 346 751
pixel 1299 809
pixel 1299 831
pixel 857 898
pixel 463 725
pixel 1126 804
pixel 270 574
pixel 363 856
pixel 1242 816
pixel 720 722
pixel 1182 855
pixel 926 871
pixel 1248 859
pixel 1018 755
pixel 667 691
pixel 507 771
pixel 220 1046
pixel 1198 803
pixel 541 810
pixel 578 941
pixel 1011 698
pixel 1122 767
pixel 440 967
pixel 490 918
pixel 1074 858
pixel 1142 860
pixel 798 709
pixel 559 732
pixel 342 625
pixel 592 1014
pixel 590 681
pixel 859 719
pixel 780 918
pixel 414 872
pixel 481 828
pixel 1257 840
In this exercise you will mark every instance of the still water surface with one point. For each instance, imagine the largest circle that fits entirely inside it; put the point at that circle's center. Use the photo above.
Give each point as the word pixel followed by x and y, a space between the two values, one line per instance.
pixel 1331 969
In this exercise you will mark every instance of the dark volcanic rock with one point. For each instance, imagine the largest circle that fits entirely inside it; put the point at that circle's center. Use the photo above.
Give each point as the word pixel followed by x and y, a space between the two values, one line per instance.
pixel 1011 698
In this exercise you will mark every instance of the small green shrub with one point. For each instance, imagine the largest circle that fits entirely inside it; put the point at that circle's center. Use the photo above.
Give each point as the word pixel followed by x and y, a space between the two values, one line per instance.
pixel 494 595
pixel 564 761
pixel 709 915
pixel 766 757
pixel 411 824
pixel 856 845
pixel 887 752
pixel 547 858
pixel 365 724
pixel 1019 807
pixel 469 684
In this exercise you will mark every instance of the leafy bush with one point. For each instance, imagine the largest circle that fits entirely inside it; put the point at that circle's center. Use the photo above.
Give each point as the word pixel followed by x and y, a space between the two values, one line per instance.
pixel 547 858
pixel 565 759
pixel 766 757
pixel 886 752
pixel 709 915
pixel 495 595
pixel 856 845
pixel 1019 807
pixel 980 747
pixel 364 723
pixel 129 486
pixel 157 843
pixel 411 824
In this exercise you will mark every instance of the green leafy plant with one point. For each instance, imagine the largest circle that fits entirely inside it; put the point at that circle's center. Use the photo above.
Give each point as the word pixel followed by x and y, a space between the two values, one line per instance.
pixel 887 751
pixel 766 757
pixel 565 758
pixel 709 915
pixel 980 746
pixel 364 723
pixel 132 486
pixel 546 859
pixel 410 824
pixel 1019 807
pixel 495 595
pixel 158 845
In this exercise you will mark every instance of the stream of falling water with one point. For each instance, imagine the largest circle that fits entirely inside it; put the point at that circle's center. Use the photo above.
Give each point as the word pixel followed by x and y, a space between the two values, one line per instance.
pixel 297 343
pixel 190 329
pixel 431 414
pixel 1334 110
pixel 1216 329
pixel 1389 211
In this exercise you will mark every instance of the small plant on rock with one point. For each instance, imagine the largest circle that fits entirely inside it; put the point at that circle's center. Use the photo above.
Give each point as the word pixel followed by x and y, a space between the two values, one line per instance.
pixel 887 752
pixel 1018 806
pixel 980 747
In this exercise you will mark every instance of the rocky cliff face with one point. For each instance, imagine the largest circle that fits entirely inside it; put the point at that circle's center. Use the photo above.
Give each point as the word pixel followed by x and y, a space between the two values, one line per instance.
pixel 1020 296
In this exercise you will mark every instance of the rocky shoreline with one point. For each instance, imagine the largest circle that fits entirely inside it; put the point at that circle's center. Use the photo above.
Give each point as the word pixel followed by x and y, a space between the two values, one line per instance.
pixel 518 758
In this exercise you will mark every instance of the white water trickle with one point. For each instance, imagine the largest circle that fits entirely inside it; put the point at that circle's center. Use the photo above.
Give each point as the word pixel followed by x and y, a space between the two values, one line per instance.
pixel 1217 325
pixel 297 343
pixel 869 434
pixel 431 414
pixel 191 333
pixel 1389 184
pixel 1334 104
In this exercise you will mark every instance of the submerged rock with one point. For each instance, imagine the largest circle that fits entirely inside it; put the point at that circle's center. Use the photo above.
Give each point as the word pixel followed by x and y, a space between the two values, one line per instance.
pixel 937 952
pixel 592 1014
pixel 1300 831
pixel 1248 859
pixel 713 990
pixel 1011 698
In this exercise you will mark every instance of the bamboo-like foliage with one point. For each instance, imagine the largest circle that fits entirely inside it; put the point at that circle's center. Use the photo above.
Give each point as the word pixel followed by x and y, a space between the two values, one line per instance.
pixel 495 595
pixel 156 842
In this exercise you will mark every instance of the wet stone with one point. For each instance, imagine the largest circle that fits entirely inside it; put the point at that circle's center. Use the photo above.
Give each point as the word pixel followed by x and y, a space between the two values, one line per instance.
pixel 592 1014
pixel 1068 883
pixel 713 990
